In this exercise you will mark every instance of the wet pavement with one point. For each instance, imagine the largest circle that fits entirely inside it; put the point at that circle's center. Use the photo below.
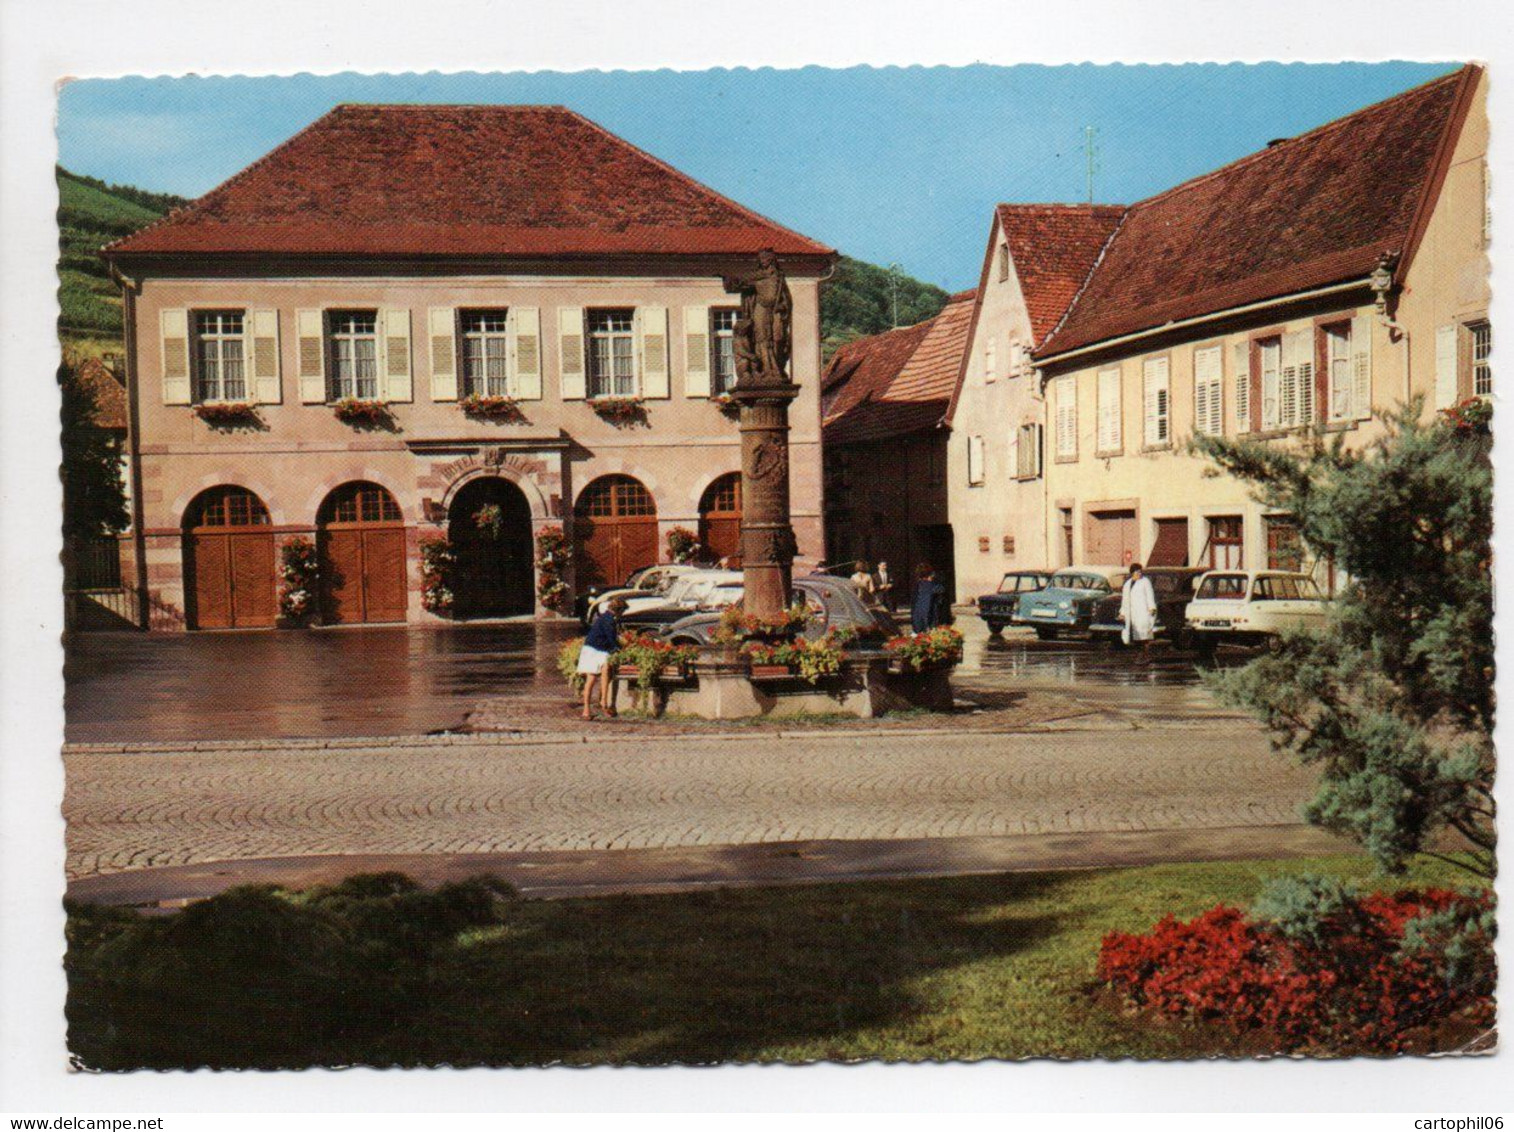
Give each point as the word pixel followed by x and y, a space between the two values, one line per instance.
pixel 398 680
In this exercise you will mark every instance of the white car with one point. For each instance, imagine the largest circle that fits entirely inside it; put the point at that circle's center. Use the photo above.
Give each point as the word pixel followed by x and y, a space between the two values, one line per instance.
pixel 1248 607
pixel 652 583
pixel 690 591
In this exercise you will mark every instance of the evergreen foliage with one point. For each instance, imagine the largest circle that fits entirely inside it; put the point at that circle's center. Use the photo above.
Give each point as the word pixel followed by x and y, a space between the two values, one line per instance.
pixel 94 494
pixel 1394 700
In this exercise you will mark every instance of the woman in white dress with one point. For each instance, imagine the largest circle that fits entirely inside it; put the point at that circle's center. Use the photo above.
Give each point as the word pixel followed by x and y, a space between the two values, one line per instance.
pixel 1138 609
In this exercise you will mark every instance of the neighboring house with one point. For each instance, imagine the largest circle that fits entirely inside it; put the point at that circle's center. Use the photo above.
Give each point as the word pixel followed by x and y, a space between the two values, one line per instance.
pixel 1037 258
pixel 884 400
pixel 95 566
pixel 423 256
pixel 1303 287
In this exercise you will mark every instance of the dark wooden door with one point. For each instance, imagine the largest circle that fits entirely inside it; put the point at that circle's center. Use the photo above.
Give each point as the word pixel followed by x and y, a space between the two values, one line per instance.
pixel 362 551
pixel 489 526
pixel 615 527
pixel 720 519
pixel 229 552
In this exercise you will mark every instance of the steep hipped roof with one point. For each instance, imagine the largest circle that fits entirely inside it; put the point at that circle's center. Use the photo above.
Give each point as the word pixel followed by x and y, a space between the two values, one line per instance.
pixel 1306 212
pixel 461 180
pixel 898 382
pixel 109 394
pixel 1054 246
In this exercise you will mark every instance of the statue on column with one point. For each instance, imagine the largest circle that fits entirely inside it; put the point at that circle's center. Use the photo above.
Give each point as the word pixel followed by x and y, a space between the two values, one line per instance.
pixel 762 336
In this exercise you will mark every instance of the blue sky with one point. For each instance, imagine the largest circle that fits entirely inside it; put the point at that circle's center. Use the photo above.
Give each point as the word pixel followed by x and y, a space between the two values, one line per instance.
pixel 887 164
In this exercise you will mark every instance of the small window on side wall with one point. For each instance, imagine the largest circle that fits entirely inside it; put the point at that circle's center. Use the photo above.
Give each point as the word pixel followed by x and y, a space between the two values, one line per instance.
pixel 975 461
pixel 1003 263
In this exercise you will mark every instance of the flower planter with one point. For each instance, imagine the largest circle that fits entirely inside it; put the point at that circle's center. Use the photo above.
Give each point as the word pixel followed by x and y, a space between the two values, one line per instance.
pixel 620 411
pixel 228 414
pixel 503 410
pixel 362 413
pixel 771 671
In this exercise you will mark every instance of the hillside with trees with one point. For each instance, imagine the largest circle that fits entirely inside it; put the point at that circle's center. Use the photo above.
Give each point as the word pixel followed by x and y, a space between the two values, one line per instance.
pixel 859 300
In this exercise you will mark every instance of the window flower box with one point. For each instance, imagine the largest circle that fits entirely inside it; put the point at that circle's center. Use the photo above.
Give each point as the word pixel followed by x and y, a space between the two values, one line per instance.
pixel 227 414
pixel 931 651
pixel 362 413
pixel 771 672
pixel 505 410
pixel 620 411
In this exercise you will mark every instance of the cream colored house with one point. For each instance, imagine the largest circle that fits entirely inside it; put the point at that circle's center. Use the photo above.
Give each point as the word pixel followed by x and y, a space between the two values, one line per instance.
pixel 1301 288
pixel 538 308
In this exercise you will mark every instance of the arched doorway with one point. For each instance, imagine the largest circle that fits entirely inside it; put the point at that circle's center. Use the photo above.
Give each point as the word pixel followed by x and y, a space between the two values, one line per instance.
pixel 228 553
pixel 489 526
pixel 615 524
pixel 720 518
pixel 361 539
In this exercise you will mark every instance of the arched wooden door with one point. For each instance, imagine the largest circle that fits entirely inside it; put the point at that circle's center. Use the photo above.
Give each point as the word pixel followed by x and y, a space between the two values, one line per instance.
pixel 720 518
pixel 615 525
pixel 361 538
pixel 489 526
pixel 228 551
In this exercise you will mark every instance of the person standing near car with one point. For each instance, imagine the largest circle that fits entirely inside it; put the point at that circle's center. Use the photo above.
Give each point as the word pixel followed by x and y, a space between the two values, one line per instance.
pixel 930 609
pixel 1138 610
pixel 862 580
pixel 600 643
pixel 883 585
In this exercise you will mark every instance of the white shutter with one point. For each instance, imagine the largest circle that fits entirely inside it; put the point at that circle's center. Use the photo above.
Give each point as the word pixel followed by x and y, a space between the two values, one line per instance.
pixel 991 359
pixel 696 351
pixel 310 329
pixel 263 354
pixel 1208 391
pixel 1361 366
pixel 442 330
pixel 523 326
pixel 652 349
pixel 974 460
pixel 570 353
pixel 1304 361
pixel 1158 410
pixel 174 336
pixel 1109 410
pixel 1271 378
pixel 1067 416
pixel 394 333
pixel 1242 377
pixel 1445 366
pixel 1288 383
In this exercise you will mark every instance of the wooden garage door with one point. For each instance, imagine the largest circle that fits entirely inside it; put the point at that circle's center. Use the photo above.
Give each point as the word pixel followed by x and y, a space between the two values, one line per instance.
pixel 615 524
pixel 362 544
pixel 1171 546
pixel 720 519
pixel 229 548
pixel 1111 538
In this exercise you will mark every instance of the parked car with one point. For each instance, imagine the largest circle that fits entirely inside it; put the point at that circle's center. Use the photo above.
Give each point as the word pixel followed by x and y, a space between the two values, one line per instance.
pixel 1250 607
pixel 1174 587
pixel 833 603
pixel 1067 603
pixel 649 581
pixel 1002 607
pixel 705 591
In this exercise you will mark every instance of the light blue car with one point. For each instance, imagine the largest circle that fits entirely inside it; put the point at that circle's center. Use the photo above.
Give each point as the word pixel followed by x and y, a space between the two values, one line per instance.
pixel 1067 603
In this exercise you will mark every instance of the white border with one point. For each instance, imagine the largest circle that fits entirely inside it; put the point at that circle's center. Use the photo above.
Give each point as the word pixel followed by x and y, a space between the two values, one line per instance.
pixel 41 41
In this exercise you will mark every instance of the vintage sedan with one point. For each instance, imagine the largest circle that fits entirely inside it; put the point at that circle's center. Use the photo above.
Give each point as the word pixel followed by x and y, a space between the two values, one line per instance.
pixel 649 581
pixel 1174 587
pixel 702 592
pixel 833 604
pixel 1002 607
pixel 1067 603
pixel 1251 607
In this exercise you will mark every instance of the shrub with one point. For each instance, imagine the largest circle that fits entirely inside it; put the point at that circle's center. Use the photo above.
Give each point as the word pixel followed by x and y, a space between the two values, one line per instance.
pixel 437 561
pixel 1316 967
pixel 554 554
pixel 811 659
pixel 299 573
pixel 682 544
pixel 567 663
pixel 651 657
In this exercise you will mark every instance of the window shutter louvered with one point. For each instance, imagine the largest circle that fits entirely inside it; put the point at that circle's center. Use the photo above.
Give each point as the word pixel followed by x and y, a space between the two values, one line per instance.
pixel 696 351
pixel 1156 396
pixel 310 329
pixel 1241 354
pixel 1288 383
pixel 652 323
pixel 395 335
pixel 264 356
pixel 523 325
pixel 1208 391
pixel 1067 417
pixel 1110 411
pixel 442 331
pixel 1304 361
pixel 1361 366
pixel 174 339
pixel 570 347
pixel 1446 384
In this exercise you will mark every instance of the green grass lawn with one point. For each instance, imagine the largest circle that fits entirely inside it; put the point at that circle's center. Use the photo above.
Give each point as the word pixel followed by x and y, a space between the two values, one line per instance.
pixel 997 966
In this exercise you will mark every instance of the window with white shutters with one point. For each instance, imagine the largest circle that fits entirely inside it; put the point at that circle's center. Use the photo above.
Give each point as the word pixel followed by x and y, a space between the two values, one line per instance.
pixel 1067 418
pixel 486 351
pixel 1158 402
pixel 1270 352
pixel 1296 381
pixel 1109 439
pixel 975 461
pixel 1208 391
pixel 1242 378
pixel 612 353
pixel 1340 376
pixel 353 355
pixel 1028 452
pixel 219 372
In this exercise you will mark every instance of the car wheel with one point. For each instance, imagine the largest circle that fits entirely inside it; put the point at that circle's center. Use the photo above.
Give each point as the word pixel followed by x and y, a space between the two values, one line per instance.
pixel 1047 632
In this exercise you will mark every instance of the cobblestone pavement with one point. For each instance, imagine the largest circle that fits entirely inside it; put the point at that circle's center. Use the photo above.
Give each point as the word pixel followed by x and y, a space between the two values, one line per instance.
pixel 468 795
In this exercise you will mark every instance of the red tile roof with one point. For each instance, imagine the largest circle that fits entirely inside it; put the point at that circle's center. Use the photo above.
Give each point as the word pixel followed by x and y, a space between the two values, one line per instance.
pixel 898 382
pixel 1304 213
pixel 461 180
pixel 1054 246
pixel 110 395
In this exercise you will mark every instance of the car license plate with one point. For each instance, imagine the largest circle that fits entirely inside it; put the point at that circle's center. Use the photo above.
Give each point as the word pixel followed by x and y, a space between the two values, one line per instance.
pixel 1216 624
pixel 1043 612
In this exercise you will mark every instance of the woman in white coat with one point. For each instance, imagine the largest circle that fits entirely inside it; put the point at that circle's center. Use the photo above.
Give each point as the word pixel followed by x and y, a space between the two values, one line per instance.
pixel 1138 609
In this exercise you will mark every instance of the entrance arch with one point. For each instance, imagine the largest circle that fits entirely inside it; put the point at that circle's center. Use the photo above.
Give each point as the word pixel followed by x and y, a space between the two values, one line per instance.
pixel 360 534
pixel 489 526
pixel 228 558
pixel 720 518
pixel 615 523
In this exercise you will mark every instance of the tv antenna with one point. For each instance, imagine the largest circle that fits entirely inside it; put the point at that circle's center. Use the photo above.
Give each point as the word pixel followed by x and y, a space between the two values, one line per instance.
pixel 1091 152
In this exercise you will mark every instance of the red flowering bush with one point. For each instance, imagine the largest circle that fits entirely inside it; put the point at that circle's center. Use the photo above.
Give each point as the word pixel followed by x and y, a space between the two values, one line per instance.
pixel 738 625
pixel 1466 418
pixel 811 659
pixel 1334 971
pixel 934 648
pixel 652 658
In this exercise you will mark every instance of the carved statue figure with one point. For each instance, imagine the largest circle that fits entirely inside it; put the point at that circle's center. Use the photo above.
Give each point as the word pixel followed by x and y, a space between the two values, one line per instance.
pixel 763 330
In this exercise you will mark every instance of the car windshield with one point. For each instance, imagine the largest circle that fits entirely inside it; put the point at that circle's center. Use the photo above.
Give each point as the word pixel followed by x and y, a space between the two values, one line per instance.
pixel 1077 580
pixel 1169 584
pixel 1283 587
pixel 1223 587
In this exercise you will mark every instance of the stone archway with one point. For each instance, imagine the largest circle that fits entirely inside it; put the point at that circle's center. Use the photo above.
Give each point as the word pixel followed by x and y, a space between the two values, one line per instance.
pixel 489 527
